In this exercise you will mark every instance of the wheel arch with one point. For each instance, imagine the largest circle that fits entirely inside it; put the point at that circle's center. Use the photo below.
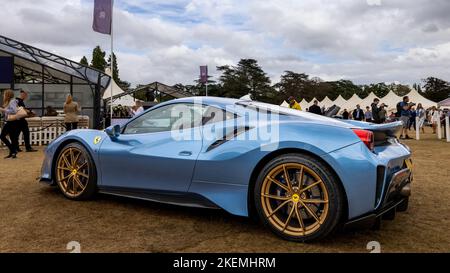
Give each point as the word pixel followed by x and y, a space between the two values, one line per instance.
pixel 267 158
pixel 59 149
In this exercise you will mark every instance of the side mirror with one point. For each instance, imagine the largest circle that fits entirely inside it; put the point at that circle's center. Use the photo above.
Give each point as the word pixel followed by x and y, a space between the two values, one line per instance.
pixel 113 131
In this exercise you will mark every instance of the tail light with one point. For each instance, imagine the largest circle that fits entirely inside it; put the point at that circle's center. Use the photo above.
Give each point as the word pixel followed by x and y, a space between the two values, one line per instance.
pixel 366 137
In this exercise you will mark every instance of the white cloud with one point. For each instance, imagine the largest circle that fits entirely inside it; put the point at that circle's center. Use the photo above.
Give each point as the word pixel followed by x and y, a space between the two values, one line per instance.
pixel 365 41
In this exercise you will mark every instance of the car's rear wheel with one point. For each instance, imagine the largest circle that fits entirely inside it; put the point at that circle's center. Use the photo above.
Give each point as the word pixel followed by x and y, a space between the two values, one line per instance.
pixel 299 198
pixel 75 172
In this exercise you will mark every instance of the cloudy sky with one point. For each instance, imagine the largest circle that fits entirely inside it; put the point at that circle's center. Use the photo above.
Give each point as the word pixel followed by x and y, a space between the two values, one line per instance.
pixel 361 40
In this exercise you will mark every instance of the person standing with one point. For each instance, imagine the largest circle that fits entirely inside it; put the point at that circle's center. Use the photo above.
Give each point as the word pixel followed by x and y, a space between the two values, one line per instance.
pixel 382 113
pixel 137 109
pixel 10 128
pixel 71 110
pixel 345 114
pixel 368 115
pixel 405 115
pixel 434 119
pixel 376 111
pixel 358 113
pixel 23 124
pixel 293 104
pixel 420 112
pixel 412 119
pixel 315 108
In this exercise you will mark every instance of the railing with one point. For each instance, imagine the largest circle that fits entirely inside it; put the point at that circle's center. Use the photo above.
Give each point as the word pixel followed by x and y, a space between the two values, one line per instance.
pixel 44 130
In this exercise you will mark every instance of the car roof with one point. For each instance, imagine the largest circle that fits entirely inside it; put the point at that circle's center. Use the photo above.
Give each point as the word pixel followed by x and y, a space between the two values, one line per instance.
pixel 212 101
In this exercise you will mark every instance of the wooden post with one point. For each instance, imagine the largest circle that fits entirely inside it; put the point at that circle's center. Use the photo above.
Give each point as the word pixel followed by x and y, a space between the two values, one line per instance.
pixel 439 129
pixel 447 127
pixel 417 128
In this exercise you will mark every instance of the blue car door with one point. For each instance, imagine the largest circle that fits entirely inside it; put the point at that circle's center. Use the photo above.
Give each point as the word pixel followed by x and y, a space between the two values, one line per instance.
pixel 156 151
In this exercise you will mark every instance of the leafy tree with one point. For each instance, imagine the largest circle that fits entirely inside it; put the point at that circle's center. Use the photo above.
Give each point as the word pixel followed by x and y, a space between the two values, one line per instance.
pixel 84 61
pixel 401 89
pixel 98 59
pixel 346 89
pixel 292 84
pixel 379 89
pixel 436 89
pixel 246 78
pixel 123 84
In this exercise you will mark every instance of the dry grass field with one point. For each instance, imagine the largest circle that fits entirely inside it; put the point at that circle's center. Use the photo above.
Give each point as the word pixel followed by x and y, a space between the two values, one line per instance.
pixel 37 218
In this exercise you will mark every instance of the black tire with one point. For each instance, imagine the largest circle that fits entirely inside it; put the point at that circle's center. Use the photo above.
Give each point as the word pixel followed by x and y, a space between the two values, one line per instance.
pixel 403 206
pixel 82 158
pixel 330 183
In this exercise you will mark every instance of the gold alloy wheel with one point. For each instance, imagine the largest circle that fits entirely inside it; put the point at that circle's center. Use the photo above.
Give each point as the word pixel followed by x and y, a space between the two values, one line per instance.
pixel 72 172
pixel 294 199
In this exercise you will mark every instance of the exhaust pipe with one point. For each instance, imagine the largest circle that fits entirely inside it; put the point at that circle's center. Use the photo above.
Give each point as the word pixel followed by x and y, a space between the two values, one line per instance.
pixel 406 190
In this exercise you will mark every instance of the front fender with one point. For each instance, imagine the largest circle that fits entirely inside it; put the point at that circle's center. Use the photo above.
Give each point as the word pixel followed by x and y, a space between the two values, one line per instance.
pixel 90 139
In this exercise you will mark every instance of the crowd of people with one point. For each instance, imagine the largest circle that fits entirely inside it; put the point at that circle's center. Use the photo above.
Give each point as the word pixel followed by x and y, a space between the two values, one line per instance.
pixel 377 112
pixel 15 113
pixel 121 111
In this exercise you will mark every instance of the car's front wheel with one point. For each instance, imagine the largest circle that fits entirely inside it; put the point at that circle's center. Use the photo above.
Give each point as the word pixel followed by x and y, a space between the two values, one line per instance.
pixel 75 172
pixel 299 198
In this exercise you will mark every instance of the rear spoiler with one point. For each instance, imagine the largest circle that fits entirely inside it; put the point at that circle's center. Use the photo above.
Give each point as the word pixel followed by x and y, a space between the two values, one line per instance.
pixel 392 128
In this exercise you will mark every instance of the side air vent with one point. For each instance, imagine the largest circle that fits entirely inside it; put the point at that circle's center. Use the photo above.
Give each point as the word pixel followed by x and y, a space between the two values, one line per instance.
pixel 226 138
pixel 381 170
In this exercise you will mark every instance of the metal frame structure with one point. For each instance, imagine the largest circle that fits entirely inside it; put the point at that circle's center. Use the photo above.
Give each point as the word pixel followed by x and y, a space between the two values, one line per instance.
pixel 157 88
pixel 49 65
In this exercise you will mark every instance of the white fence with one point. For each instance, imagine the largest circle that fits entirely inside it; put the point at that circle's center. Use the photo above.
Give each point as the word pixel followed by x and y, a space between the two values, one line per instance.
pixel 44 130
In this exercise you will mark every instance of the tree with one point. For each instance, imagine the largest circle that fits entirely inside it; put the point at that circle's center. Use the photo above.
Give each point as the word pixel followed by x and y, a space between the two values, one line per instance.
pixel 292 84
pixel 379 89
pixel 401 89
pixel 115 67
pixel 346 89
pixel 436 89
pixel 84 61
pixel 123 84
pixel 98 59
pixel 246 78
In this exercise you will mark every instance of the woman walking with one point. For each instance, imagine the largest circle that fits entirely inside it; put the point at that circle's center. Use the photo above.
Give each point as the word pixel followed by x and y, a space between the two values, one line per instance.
pixel 420 112
pixel 71 110
pixel 10 128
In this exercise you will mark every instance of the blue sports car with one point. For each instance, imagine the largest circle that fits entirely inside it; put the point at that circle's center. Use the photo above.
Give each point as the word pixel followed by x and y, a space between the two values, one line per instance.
pixel 302 174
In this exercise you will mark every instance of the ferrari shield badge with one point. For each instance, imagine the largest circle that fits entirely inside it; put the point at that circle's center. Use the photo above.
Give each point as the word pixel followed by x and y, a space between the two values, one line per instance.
pixel 97 140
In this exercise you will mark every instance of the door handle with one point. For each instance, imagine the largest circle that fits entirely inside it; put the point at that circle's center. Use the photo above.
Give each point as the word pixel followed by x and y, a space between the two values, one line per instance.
pixel 185 153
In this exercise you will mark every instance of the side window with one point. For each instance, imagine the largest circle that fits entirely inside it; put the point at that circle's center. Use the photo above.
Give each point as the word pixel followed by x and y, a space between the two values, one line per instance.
pixel 167 118
pixel 213 115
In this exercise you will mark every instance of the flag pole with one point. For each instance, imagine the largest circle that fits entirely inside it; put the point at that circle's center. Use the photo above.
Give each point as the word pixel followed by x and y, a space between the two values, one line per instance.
pixel 112 59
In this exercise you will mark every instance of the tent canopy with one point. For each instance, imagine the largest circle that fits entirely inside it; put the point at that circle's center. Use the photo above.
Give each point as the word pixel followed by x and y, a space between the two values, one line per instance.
pixel 416 97
pixel 351 103
pixel 444 103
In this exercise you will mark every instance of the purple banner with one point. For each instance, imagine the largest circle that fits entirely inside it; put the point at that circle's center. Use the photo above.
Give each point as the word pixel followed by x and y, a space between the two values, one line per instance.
pixel 204 74
pixel 103 16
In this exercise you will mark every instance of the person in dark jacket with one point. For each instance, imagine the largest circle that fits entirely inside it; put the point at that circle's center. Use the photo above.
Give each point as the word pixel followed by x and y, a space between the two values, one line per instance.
pixel 345 114
pixel 358 113
pixel 376 111
pixel 23 124
pixel 315 108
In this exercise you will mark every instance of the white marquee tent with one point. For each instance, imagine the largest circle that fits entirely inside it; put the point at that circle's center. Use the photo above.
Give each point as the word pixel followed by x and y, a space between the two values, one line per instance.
pixel 391 99
pixel 285 104
pixel 326 102
pixel 367 101
pixel 339 101
pixel 445 103
pixel 416 97
pixel 351 103
pixel 304 104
